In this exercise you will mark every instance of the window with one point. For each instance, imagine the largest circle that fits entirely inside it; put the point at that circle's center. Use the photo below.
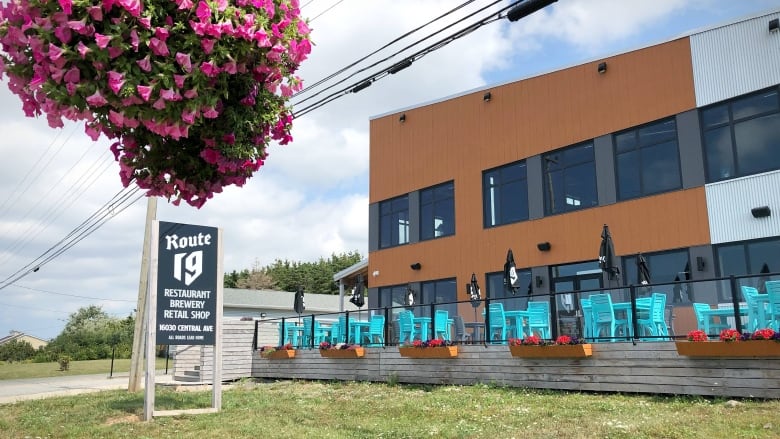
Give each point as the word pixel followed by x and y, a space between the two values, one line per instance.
pixel 741 136
pixel 647 160
pixel 570 179
pixel 496 290
pixel 752 257
pixel 439 291
pixel 437 211
pixel 394 222
pixel 505 194
pixel 393 297
pixel 671 266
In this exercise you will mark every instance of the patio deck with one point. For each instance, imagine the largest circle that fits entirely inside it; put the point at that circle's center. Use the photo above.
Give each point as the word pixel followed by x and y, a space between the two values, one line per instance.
pixel 647 367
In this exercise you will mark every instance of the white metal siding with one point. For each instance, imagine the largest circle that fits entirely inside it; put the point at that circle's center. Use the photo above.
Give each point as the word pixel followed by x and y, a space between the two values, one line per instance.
pixel 736 59
pixel 729 204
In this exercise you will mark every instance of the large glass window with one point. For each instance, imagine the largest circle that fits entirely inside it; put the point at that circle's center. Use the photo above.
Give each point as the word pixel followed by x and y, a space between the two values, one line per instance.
pixel 440 291
pixel 671 266
pixel 570 179
pixel 394 222
pixel 751 257
pixel 505 194
pixel 393 297
pixel 647 160
pixel 742 136
pixel 437 211
pixel 497 290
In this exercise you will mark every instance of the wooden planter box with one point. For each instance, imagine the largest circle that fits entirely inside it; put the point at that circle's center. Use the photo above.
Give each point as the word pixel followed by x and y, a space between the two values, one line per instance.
pixel 552 351
pixel 751 348
pixel 343 353
pixel 280 354
pixel 438 352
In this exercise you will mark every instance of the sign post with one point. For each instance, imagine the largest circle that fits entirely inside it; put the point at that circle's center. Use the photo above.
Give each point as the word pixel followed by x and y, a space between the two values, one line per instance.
pixel 185 300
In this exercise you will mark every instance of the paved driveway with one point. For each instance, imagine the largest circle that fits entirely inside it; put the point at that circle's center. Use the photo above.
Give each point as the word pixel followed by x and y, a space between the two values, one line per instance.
pixel 34 388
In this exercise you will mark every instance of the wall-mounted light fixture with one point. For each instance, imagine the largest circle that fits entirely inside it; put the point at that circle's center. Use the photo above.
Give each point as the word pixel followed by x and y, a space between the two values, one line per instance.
pixel 543 246
pixel 700 263
pixel 402 118
pixel 774 25
pixel 375 273
pixel 416 266
pixel 486 97
pixel 602 68
pixel 761 212
pixel 539 281
pixel 263 315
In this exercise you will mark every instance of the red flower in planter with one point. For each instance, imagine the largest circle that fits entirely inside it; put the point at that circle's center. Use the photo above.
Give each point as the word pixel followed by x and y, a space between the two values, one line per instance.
pixel 697 335
pixel 730 335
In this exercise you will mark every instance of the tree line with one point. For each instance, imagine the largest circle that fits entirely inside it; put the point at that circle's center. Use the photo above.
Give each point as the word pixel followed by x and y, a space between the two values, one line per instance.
pixel 284 275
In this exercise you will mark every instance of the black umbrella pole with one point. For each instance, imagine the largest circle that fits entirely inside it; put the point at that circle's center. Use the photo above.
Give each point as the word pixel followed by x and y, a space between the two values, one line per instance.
pixel 634 326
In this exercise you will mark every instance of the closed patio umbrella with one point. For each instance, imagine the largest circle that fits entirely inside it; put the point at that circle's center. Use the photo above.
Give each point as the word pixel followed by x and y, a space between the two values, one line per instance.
pixel 607 254
pixel 643 272
pixel 357 298
pixel 511 279
pixel 475 295
pixel 409 296
pixel 298 304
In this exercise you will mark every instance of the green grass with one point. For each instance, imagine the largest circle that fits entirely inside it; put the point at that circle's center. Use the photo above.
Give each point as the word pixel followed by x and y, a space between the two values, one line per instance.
pixel 292 409
pixel 41 370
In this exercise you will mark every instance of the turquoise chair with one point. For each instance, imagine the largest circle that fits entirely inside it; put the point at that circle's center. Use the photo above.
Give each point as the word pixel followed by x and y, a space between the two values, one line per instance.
pixel 335 332
pixel 658 310
pixel 587 318
pixel 442 329
pixel 287 333
pixel 650 319
pixel 754 320
pixel 715 326
pixel 773 313
pixel 539 318
pixel 376 330
pixel 497 323
pixel 319 334
pixel 603 316
pixel 406 329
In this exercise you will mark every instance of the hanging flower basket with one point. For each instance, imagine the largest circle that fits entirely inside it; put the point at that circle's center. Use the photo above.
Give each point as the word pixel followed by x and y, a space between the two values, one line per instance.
pixel 753 348
pixel 552 351
pixel 434 352
pixel 191 92
pixel 357 352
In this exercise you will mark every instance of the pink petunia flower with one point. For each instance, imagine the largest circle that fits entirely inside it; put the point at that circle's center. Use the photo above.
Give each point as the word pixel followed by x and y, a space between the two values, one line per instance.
pixel 82 49
pixel 134 40
pixel 161 33
pixel 184 61
pixel 117 119
pixel 132 6
pixel 188 116
pixel 73 75
pixel 96 100
pixel 102 40
pixel 208 45
pixel 115 81
pixel 210 113
pixel 209 69
pixel 184 5
pixel 159 104
pixel 144 91
pixel 203 12
pixel 96 12
pixel 55 52
pixel 158 47
pixel 179 80
pixel 145 64
pixel 191 93
pixel 67 6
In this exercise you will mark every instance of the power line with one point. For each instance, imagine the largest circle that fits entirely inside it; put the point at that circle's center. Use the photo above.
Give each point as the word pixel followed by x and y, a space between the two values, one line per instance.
pixel 354 63
pixel 326 10
pixel 367 81
pixel 74 295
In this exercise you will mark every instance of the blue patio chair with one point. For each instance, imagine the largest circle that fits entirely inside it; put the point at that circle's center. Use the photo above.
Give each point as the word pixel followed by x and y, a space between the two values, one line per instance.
pixel 406 329
pixel 603 316
pixel 539 318
pixel 754 320
pixel 376 330
pixel 650 319
pixel 587 318
pixel 715 326
pixel 442 329
pixel 773 313
pixel 497 323
pixel 319 334
pixel 334 332
pixel 658 311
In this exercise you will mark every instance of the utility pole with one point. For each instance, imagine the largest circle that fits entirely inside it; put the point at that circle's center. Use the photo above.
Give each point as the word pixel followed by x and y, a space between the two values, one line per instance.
pixel 140 315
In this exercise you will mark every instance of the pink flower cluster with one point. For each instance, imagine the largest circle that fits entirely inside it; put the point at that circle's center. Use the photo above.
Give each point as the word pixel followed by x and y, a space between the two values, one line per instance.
pixel 192 92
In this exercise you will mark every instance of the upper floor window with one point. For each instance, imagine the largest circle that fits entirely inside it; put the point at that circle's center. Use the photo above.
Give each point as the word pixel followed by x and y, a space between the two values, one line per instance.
pixel 742 136
pixel 505 194
pixel 570 179
pixel 394 222
pixel 437 211
pixel 647 160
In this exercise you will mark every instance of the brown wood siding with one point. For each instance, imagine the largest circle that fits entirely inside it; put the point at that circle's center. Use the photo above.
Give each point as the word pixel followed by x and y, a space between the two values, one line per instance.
pixel 461 137
pixel 667 221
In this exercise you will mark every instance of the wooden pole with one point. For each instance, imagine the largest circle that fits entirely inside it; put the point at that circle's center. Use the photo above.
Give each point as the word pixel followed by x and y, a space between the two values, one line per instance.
pixel 140 316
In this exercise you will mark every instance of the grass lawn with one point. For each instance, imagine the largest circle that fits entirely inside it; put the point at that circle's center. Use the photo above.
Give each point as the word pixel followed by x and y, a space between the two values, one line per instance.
pixel 41 370
pixel 293 409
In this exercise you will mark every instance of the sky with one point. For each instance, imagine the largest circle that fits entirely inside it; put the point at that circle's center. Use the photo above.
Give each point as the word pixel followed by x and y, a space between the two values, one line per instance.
pixel 310 200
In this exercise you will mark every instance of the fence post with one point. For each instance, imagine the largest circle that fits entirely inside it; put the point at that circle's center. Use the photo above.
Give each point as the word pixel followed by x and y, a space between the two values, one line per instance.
pixel 433 322
pixel 634 326
pixel 735 303
pixel 346 326
pixel 386 329
pixel 254 339
pixel 487 336
pixel 553 315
